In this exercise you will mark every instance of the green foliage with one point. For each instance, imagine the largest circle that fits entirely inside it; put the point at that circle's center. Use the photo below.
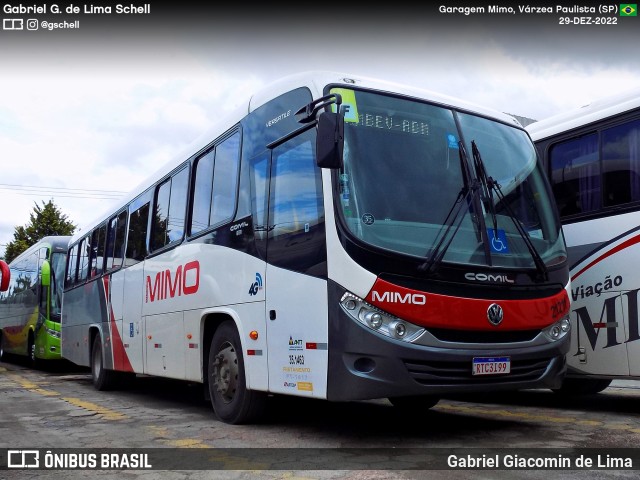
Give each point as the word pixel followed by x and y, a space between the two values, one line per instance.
pixel 43 221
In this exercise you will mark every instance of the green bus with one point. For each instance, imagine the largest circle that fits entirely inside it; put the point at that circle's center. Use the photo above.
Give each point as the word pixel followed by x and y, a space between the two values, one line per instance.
pixel 31 304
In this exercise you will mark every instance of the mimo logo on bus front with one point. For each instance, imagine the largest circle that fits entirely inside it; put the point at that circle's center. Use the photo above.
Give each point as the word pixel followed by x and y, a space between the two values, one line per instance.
pixel 397 297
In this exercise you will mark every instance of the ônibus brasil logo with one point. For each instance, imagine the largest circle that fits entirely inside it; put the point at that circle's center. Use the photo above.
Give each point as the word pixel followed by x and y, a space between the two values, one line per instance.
pixel 256 286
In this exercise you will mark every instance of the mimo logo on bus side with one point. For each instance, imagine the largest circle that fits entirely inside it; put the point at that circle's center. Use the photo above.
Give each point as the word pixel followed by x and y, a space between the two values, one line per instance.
pixel 185 280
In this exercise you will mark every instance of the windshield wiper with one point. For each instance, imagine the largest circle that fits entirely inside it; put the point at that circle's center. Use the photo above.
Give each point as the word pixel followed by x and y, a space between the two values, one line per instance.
pixel 469 189
pixel 489 186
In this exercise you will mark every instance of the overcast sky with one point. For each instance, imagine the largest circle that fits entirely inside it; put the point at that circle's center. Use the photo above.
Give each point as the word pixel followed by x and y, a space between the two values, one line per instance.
pixel 87 114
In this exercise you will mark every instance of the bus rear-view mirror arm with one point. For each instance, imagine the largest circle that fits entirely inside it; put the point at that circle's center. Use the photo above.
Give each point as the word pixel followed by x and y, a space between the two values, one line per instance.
pixel 330 134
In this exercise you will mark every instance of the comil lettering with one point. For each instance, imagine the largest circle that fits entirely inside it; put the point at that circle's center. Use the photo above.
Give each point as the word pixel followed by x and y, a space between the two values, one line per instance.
pixel 397 297
pixel 185 281
pixel 483 277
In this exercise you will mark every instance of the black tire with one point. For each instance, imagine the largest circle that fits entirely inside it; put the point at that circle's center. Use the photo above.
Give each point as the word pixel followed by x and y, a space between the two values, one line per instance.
pixel 232 402
pixel 4 356
pixel 102 378
pixel 417 402
pixel 582 386
pixel 32 360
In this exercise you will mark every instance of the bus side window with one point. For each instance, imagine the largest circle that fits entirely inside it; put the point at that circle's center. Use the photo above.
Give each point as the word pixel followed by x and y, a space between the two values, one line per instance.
pixel 84 253
pixel 621 163
pixel 170 210
pixel 225 180
pixel 115 240
pixel 216 185
pixel 575 175
pixel 118 253
pixel 202 187
pixel 72 266
pixel 137 236
pixel 296 237
pixel 97 245
pixel 259 199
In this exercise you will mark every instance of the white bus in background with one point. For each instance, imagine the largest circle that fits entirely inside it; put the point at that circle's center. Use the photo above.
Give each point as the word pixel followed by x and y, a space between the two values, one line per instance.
pixel 592 157
pixel 339 238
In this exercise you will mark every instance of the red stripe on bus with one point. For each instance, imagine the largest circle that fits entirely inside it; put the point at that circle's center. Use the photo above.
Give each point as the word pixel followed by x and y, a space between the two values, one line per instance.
pixel 459 313
pixel 622 246
pixel 120 358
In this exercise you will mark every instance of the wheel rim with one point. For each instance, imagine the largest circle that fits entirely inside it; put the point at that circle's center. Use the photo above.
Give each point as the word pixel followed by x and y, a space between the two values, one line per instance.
pixel 225 372
pixel 32 351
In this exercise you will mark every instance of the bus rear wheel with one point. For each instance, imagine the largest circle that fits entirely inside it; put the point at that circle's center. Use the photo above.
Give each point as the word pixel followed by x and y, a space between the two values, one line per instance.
pixel 102 378
pixel 231 400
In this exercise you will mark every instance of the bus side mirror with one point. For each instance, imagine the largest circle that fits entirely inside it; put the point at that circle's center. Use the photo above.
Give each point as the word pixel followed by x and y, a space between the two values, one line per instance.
pixel 5 276
pixel 45 274
pixel 330 140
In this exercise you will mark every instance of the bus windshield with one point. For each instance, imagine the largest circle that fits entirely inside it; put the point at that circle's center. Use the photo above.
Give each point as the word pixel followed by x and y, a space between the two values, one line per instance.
pixel 403 177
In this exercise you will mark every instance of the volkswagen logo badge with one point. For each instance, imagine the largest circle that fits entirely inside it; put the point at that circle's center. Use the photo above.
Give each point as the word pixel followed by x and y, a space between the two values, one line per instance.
pixel 495 314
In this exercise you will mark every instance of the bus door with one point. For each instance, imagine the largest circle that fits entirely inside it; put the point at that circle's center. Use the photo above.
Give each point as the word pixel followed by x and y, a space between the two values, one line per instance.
pixel 295 284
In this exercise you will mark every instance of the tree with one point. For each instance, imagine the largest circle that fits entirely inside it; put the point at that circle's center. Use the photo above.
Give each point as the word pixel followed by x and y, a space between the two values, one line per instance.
pixel 44 221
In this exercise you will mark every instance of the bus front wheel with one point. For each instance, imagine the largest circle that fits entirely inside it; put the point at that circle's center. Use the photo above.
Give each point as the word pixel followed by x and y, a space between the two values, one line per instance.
pixel 232 402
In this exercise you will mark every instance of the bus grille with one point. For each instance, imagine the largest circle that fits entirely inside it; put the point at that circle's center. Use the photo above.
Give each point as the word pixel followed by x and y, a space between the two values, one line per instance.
pixel 465 336
pixel 454 373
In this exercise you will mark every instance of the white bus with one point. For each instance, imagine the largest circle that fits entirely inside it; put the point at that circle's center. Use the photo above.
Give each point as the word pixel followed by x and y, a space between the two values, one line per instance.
pixel 592 157
pixel 339 238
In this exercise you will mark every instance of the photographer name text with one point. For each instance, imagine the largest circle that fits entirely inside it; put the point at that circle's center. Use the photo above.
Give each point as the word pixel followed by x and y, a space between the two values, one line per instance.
pixel 85 8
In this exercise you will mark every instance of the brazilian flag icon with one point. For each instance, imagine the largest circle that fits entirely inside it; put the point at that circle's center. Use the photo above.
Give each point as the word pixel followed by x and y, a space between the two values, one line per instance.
pixel 628 9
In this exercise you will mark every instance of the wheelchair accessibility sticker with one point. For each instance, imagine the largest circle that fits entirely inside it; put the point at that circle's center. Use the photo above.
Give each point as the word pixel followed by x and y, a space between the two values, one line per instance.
pixel 498 240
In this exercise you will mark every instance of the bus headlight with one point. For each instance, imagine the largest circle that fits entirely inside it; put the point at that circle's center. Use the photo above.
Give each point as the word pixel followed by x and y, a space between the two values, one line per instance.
pixel 378 320
pixel 53 333
pixel 558 330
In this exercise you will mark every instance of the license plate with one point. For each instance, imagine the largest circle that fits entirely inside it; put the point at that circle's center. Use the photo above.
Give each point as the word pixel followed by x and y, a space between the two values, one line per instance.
pixel 491 365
